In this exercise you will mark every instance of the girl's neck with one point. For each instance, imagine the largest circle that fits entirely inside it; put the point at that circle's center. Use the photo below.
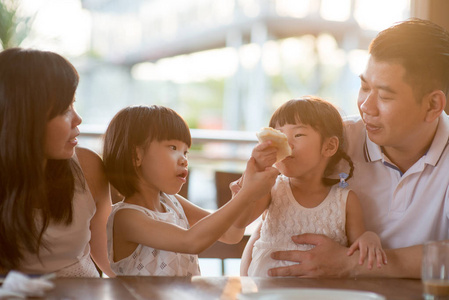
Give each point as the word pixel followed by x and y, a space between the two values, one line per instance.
pixel 307 184
pixel 148 200
pixel 308 193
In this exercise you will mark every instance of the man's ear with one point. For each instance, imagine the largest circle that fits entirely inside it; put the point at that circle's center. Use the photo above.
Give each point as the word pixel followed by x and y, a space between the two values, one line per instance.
pixel 435 102
pixel 330 146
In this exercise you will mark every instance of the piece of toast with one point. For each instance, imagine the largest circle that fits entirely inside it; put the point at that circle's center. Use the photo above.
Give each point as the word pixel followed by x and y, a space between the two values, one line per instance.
pixel 278 139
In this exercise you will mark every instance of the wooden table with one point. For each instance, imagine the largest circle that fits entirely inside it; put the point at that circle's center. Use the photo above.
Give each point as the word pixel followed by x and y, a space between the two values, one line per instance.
pixel 223 288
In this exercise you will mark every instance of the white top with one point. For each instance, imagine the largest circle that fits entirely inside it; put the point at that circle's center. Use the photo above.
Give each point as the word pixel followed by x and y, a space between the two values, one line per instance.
pixel 286 218
pixel 404 209
pixel 149 261
pixel 69 253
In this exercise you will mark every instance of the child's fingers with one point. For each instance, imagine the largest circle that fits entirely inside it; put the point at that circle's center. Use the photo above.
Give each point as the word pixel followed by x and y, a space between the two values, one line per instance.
pixel 352 248
pixel 235 186
pixel 267 160
pixel 272 173
pixel 371 257
pixel 251 165
pixel 363 254
pixel 384 256
pixel 379 257
pixel 264 154
pixel 263 146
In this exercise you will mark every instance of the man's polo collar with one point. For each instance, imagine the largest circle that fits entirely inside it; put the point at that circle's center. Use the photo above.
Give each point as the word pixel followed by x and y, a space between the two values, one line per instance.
pixel 440 141
pixel 373 152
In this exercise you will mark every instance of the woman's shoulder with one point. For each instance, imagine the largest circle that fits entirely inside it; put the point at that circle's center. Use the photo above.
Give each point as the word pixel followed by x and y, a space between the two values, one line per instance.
pixel 86 157
pixel 93 169
pixel 90 162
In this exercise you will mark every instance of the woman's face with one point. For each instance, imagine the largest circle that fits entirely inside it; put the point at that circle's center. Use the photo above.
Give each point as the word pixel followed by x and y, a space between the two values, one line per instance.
pixel 61 133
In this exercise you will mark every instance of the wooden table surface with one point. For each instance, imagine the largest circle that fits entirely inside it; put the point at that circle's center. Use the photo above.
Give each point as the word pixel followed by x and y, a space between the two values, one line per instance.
pixel 223 288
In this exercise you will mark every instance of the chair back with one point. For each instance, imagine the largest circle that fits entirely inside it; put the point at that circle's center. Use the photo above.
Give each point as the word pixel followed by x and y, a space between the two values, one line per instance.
pixel 222 181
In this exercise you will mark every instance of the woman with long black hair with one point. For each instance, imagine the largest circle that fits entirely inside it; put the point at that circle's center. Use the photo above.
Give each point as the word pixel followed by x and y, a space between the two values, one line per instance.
pixel 54 200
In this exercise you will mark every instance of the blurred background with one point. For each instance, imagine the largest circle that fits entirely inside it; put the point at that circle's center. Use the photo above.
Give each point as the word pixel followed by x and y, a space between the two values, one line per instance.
pixel 224 65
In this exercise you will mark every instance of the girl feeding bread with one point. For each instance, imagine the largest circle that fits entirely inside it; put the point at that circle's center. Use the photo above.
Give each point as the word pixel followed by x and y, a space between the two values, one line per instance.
pixel 154 231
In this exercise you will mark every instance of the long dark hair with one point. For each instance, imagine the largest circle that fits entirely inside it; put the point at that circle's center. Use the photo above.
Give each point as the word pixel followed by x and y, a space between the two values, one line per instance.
pixel 138 126
pixel 321 116
pixel 35 86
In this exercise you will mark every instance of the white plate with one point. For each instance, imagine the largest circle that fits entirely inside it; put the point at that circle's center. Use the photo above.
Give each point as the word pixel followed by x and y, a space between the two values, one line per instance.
pixel 311 294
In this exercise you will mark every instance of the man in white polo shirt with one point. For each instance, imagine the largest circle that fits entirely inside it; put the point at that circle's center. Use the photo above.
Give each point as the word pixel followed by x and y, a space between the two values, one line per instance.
pixel 401 154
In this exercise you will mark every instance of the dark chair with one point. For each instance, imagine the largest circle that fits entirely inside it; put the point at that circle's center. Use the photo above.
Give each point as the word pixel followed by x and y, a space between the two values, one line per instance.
pixel 222 181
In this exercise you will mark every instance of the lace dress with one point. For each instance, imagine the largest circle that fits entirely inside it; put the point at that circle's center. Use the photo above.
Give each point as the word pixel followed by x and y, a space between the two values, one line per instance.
pixel 286 218
pixel 147 261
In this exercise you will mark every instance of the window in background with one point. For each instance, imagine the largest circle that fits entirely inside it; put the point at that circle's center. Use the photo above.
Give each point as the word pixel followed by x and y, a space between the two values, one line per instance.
pixel 222 64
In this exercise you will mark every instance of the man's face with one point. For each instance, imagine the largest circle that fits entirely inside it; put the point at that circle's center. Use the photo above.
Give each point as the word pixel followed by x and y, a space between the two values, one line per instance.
pixel 392 115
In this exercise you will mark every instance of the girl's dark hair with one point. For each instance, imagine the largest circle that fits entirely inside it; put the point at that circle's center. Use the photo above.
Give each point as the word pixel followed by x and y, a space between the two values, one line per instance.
pixel 321 116
pixel 138 126
pixel 35 86
pixel 422 48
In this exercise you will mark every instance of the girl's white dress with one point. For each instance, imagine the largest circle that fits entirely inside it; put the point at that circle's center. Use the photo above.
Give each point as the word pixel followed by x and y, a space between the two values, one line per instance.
pixel 149 261
pixel 286 218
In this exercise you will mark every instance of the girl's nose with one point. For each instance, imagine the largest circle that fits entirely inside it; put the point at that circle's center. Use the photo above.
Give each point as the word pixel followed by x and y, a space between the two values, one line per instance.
pixel 184 161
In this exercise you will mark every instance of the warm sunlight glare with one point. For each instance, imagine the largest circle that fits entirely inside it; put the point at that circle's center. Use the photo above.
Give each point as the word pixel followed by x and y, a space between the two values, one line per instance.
pixel 64 26
pixel 60 25
pixel 380 14
pixel 336 10
pixel 200 66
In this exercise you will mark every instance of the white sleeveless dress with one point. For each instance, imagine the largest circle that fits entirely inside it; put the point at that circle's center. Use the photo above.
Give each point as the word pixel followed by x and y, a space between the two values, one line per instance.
pixel 286 218
pixel 147 261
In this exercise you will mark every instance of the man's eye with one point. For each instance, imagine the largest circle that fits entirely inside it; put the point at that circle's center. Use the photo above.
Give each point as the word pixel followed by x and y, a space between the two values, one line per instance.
pixel 364 88
pixel 173 147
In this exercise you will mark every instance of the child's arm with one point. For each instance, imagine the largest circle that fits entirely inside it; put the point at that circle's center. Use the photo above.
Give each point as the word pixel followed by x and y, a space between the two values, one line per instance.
pixel 195 213
pixel 137 228
pixel 367 242
pixel 247 255
pixel 264 155
pixel 369 246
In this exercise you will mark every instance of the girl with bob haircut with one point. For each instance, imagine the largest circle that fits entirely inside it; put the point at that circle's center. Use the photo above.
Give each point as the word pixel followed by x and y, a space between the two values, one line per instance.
pixel 53 203
pixel 305 198
pixel 154 231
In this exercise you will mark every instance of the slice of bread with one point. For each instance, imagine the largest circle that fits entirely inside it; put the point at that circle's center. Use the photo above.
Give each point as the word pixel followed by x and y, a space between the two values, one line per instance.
pixel 278 139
